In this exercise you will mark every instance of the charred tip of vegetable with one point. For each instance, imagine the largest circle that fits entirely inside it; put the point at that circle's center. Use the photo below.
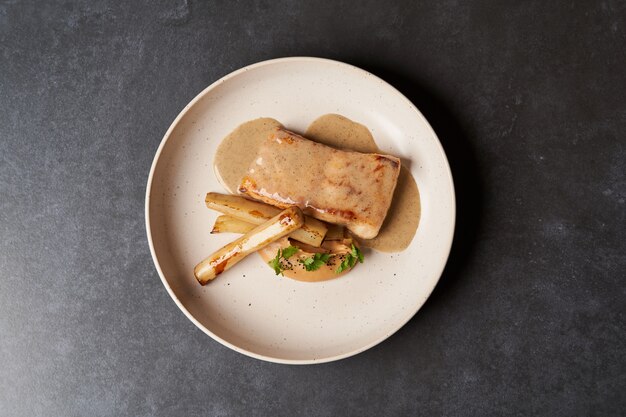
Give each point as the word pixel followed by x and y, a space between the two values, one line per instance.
pixel 201 280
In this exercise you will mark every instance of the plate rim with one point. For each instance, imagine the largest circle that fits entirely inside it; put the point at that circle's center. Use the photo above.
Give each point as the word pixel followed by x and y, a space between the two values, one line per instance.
pixel 173 125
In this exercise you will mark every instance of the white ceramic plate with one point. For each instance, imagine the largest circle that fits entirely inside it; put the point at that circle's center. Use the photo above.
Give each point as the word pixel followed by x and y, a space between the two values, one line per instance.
pixel 249 309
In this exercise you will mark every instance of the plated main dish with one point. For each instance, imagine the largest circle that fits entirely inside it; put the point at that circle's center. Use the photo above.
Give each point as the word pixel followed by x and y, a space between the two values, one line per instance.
pixel 309 205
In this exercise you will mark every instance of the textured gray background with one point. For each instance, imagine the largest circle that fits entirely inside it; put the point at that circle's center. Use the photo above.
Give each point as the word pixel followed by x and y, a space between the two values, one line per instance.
pixel 529 100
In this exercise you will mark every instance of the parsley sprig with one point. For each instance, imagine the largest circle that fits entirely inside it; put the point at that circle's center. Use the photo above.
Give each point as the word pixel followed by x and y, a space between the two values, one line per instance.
pixel 350 260
pixel 316 261
pixel 286 253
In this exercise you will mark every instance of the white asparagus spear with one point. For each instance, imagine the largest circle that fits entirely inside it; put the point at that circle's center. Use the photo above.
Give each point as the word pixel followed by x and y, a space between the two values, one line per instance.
pixel 281 225
pixel 312 232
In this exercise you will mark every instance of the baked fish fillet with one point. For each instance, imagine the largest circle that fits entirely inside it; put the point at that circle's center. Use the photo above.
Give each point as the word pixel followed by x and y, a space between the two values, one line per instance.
pixel 343 187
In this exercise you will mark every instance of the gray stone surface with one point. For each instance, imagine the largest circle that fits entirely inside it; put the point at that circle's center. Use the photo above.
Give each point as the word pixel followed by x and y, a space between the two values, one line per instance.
pixel 529 101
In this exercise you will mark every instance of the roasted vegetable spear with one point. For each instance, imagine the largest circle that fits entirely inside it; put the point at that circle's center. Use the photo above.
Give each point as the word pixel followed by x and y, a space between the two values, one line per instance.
pixel 278 226
pixel 311 233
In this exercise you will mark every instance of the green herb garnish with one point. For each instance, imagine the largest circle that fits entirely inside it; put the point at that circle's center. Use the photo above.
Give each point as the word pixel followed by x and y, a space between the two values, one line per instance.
pixel 277 264
pixel 316 261
pixel 350 259
pixel 289 251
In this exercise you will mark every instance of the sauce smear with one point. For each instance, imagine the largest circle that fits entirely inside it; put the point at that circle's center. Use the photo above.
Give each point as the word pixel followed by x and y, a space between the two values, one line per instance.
pixel 295 270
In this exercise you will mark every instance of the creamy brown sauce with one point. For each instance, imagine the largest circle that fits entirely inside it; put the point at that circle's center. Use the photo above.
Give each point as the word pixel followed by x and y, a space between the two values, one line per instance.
pixel 340 132
pixel 238 149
